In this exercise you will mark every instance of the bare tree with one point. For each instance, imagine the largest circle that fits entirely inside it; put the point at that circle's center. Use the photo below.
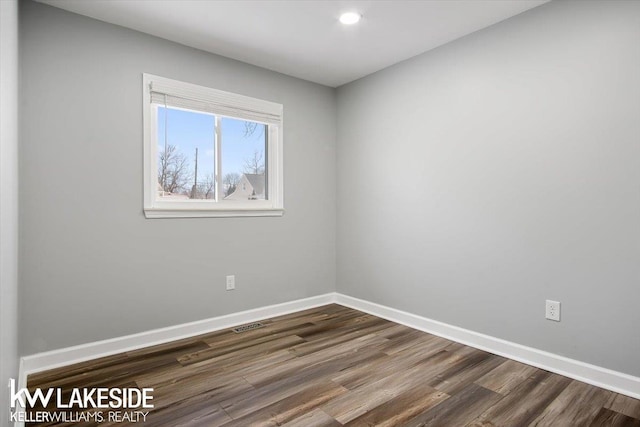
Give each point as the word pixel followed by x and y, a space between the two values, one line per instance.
pixel 230 182
pixel 249 128
pixel 208 187
pixel 173 173
pixel 255 163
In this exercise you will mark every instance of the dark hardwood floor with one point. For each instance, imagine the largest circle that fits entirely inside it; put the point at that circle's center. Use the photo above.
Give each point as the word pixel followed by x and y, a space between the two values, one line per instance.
pixel 333 366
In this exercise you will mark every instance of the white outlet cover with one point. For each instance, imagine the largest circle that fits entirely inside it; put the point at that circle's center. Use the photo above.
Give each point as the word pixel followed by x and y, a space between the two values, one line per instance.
pixel 231 282
pixel 552 311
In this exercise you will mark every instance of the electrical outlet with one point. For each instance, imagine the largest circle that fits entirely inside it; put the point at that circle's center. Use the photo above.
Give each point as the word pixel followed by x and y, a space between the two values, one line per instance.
pixel 553 310
pixel 231 283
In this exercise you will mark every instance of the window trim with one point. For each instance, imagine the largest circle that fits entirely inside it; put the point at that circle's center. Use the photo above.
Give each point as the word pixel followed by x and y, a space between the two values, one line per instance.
pixel 272 112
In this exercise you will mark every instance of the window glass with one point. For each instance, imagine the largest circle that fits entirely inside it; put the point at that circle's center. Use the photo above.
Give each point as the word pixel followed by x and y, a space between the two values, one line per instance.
pixel 244 161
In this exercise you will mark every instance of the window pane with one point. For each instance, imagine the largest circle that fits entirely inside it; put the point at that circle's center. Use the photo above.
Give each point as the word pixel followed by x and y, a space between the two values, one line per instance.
pixel 244 159
pixel 186 154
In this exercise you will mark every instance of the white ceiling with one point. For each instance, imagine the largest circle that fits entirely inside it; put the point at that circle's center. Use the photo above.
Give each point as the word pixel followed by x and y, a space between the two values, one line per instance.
pixel 304 38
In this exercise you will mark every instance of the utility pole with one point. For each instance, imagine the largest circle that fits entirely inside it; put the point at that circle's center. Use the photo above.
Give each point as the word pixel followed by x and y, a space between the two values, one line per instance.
pixel 194 190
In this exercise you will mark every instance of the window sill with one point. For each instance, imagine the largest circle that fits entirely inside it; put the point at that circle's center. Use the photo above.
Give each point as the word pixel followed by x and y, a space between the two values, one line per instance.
pixel 151 213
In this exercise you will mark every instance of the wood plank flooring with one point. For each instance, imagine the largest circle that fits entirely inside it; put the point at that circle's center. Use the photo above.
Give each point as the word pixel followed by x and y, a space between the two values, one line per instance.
pixel 334 366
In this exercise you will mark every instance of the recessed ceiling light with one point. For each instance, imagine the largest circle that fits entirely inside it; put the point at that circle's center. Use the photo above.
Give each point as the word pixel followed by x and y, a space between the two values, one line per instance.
pixel 350 18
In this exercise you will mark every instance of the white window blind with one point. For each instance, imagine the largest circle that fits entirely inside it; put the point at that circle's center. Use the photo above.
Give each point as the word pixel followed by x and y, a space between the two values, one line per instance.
pixel 214 101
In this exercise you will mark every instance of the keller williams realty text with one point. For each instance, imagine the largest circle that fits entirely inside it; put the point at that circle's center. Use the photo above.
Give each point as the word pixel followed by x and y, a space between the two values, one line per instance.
pixel 77 417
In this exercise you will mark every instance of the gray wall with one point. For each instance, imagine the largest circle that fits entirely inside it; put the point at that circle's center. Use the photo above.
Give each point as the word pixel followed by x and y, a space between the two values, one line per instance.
pixel 92 267
pixel 481 178
pixel 8 200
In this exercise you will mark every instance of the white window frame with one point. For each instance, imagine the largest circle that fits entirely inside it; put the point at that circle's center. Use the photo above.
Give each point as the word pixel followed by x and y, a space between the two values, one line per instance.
pixel 219 103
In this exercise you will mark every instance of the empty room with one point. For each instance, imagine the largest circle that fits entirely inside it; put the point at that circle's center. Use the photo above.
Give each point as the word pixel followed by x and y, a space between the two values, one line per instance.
pixel 320 213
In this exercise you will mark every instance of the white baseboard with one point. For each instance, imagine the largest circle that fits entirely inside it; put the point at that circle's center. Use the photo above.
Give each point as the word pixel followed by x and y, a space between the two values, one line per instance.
pixel 80 353
pixel 581 371
pixel 591 374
